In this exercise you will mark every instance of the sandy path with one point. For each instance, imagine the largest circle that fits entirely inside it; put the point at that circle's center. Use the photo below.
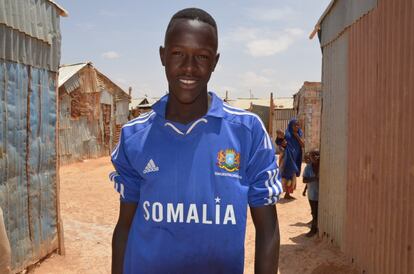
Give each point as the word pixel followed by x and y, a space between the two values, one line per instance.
pixel 89 211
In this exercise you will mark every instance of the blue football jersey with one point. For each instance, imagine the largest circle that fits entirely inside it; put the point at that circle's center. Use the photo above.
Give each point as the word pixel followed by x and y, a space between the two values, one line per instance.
pixel 192 185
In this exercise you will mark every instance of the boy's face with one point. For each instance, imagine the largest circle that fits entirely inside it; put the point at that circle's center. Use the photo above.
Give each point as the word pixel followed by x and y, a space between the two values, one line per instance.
pixel 280 134
pixel 189 57
pixel 307 158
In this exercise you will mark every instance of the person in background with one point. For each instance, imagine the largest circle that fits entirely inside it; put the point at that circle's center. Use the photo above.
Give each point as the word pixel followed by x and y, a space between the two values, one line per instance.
pixel 5 252
pixel 311 178
pixel 281 144
pixel 307 161
pixel 292 159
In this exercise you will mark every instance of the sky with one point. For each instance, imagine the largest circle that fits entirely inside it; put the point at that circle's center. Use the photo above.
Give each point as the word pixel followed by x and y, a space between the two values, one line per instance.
pixel 264 45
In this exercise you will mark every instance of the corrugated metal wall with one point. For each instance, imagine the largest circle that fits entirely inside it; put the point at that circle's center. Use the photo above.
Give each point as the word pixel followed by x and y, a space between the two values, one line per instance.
pixel 333 166
pixel 30 32
pixel 380 197
pixel 29 61
pixel 376 227
pixel 78 138
pixel 281 119
pixel 28 155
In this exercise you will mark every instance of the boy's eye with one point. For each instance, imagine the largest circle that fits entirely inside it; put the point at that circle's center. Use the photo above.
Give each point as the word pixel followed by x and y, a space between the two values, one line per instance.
pixel 177 53
pixel 202 57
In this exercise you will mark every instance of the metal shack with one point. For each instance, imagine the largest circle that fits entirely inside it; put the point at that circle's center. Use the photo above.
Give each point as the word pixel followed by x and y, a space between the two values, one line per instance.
pixel 91 113
pixel 308 107
pixel 29 61
pixel 367 158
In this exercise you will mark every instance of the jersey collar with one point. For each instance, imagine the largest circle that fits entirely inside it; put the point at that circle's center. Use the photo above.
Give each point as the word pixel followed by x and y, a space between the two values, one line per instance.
pixel 216 107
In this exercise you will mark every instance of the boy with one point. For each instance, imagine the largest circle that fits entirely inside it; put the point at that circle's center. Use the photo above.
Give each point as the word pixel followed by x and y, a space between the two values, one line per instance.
pixel 187 170
pixel 311 178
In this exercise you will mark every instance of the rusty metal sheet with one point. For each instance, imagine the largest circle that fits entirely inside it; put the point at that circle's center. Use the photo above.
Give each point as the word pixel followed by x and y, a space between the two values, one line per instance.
pixel 380 203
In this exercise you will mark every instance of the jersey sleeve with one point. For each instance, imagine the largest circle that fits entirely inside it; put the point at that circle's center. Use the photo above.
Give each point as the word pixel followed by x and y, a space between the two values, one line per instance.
pixel 125 178
pixel 262 170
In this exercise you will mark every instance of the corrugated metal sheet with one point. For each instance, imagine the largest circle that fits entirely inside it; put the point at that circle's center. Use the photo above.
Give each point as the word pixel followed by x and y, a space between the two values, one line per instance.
pixel 263 113
pixel 106 98
pixel 78 138
pixel 31 33
pixel 333 166
pixel 67 71
pixel 380 193
pixel 122 112
pixel 27 145
pixel 32 19
pixel 245 103
pixel 281 118
pixel 342 14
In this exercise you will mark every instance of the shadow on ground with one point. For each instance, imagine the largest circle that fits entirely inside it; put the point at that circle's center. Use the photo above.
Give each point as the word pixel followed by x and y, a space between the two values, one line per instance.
pixel 307 254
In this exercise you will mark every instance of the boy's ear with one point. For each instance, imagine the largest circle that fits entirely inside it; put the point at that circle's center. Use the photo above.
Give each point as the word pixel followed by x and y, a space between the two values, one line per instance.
pixel 216 61
pixel 162 52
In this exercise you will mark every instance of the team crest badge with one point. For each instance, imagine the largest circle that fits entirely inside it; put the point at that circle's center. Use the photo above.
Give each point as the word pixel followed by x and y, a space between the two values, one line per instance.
pixel 228 160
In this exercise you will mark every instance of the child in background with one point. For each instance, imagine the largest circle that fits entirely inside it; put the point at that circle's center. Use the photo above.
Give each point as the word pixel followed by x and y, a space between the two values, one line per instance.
pixel 281 144
pixel 307 161
pixel 311 178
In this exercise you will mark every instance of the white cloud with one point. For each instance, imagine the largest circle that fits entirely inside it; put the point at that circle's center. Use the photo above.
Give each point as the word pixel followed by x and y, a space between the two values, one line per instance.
pixel 270 15
pixel 262 42
pixel 251 79
pixel 111 55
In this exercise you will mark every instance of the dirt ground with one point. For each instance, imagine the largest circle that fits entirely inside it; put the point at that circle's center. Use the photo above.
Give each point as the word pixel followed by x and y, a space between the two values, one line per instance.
pixel 90 208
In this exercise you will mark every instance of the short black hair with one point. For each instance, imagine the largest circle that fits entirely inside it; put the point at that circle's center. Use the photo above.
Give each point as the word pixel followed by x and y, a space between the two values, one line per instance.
pixel 193 14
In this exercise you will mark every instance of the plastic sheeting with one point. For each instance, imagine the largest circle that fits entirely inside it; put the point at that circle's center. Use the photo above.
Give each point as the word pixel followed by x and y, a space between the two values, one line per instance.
pixel 28 161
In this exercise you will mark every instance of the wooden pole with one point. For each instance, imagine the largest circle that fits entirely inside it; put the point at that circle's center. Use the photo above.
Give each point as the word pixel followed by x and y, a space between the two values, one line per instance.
pixel 271 114
pixel 61 242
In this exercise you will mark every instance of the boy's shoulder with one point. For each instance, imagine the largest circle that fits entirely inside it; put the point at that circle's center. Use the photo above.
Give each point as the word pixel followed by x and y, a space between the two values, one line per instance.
pixel 138 124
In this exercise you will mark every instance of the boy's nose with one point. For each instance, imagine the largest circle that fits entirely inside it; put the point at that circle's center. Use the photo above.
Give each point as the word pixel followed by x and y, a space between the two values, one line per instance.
pixel 189 64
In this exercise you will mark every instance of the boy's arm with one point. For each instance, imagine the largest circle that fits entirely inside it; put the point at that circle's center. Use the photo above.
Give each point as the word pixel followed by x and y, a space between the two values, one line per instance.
pixel 267 239
pixel 120 236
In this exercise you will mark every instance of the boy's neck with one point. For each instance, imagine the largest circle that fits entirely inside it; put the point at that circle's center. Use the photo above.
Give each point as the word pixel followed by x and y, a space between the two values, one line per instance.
pixel 186 113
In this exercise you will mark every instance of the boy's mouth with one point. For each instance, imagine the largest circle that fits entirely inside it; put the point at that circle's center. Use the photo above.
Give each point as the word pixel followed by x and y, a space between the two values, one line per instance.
pixel 187 82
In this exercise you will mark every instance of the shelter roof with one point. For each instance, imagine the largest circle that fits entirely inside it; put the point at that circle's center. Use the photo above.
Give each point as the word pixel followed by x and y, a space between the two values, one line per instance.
pixel 62 11
pixel 318 24
pixel 244 103
pixel 67 71
pixel 143 102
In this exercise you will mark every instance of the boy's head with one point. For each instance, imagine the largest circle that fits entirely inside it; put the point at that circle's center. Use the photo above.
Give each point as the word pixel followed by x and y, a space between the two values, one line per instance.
pixel 314 156
pixel 280 133
pixel 189 54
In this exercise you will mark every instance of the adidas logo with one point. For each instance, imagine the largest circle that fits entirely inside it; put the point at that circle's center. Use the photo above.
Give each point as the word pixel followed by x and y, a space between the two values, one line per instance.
pixel 151 167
